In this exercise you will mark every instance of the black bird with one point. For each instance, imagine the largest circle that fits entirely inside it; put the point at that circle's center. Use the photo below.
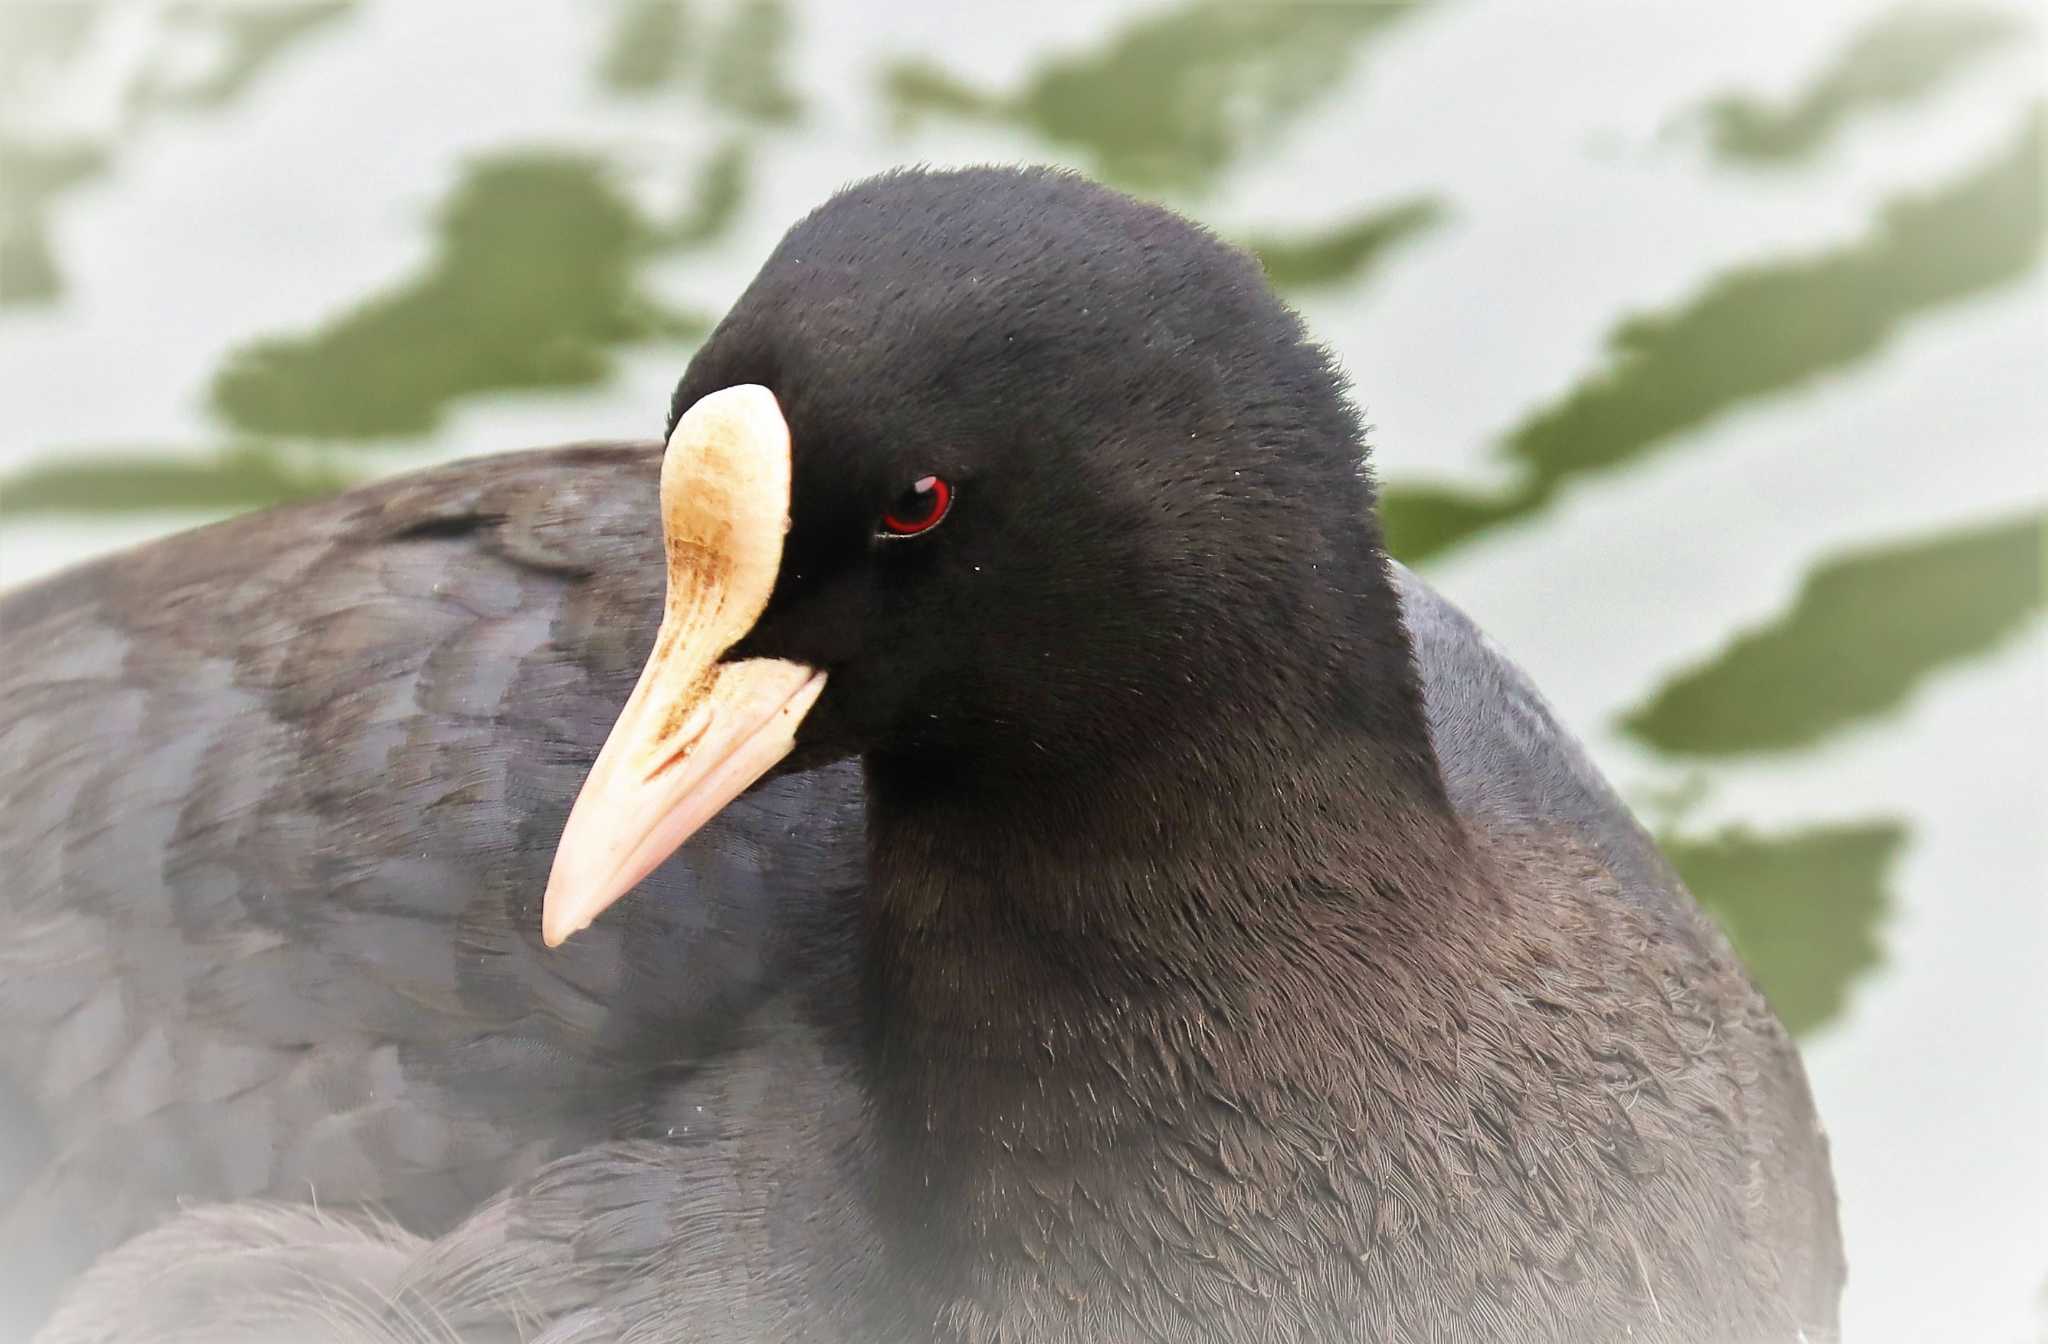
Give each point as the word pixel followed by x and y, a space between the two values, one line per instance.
pixel 1170 920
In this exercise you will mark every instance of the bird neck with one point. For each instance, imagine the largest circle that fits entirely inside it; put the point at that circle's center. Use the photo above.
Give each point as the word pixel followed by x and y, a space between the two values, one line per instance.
pixel 1067 971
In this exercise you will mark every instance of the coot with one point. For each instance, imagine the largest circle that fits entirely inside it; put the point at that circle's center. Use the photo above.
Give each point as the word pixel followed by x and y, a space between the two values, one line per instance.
pixel 1156 915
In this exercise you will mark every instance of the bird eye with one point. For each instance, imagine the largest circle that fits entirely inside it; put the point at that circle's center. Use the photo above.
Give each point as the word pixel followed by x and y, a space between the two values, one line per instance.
pixel 918 509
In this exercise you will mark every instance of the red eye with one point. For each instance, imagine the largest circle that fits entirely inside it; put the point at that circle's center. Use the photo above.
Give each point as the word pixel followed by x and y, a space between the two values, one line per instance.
pixel 918 509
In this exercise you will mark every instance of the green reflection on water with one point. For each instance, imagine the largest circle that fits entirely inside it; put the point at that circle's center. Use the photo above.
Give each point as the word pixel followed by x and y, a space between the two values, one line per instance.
pixel 116 481
pixel 655 45
pixel 745 73
pixel 34 173
pixel 1902 56
pixel 649 47
pixel 1803 909
pixel 1865 630
pixel 1176 98
pixel 1348 250
pixel 31 178
pixel 253 37
pixel 715 204
pixel 1759 330
pixel 533 283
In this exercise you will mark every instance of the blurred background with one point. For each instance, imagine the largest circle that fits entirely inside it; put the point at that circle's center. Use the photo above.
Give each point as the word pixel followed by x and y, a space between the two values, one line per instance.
pixel 1703 345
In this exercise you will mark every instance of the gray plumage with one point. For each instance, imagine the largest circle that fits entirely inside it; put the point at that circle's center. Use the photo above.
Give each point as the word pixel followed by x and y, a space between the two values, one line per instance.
pixel 196 1018
pixel 1216 940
